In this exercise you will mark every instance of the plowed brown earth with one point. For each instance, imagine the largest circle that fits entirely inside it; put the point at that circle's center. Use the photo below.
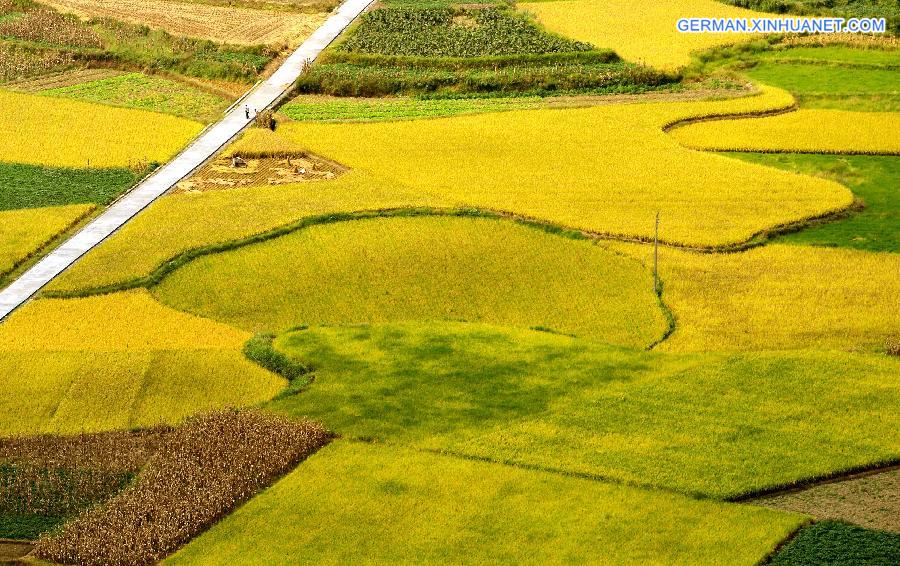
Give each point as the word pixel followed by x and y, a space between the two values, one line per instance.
pixel 220 23
pixel 868 500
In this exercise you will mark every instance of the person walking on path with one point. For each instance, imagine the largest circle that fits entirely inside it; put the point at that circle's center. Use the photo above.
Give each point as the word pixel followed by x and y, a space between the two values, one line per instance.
pixel 247 111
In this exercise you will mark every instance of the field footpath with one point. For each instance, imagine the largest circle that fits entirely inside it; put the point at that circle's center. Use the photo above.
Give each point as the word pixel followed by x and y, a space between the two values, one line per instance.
pixel 196 154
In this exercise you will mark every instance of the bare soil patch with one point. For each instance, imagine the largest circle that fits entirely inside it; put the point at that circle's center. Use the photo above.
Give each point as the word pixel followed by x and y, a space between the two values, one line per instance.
pixel 869 500
pixel 247 26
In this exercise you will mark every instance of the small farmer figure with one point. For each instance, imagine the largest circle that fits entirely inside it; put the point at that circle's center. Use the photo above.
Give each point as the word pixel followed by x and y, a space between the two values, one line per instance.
pixel 247 111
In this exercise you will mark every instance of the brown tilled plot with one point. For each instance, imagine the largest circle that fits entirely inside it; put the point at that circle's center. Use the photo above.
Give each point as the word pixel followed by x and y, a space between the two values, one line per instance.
pixel 248 26
pixel 869 500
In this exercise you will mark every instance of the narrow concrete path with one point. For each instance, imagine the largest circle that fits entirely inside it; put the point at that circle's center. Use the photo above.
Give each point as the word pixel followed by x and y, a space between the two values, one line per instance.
pixel 201 149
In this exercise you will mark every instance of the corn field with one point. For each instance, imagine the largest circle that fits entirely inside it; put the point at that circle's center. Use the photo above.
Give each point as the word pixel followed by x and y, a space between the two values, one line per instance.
pixel 201 472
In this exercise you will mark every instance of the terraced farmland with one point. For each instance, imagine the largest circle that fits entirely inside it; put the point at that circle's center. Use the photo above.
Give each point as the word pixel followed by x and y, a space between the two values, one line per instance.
pixel 538 283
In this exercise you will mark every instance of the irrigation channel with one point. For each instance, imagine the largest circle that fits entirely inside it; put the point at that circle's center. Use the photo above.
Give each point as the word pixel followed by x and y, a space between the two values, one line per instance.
pixel 208 144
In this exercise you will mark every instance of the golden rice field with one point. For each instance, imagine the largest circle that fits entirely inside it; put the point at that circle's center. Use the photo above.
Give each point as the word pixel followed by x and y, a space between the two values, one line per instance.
pixel 23 232
pixel 604 169
pixel 779 297
pixel 464 172
pixel 39 130
pixel 642 31
pixel 119 361
pixel 228 24
pixel 426 268
pixel 804 131
pixel 170 226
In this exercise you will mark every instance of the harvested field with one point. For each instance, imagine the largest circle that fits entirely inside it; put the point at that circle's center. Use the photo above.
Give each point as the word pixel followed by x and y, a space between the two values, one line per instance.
pixel 203 471
pixel 23 232
pixel 356 502
pixel 779 297
pixel 805 131
pixel 46 480
pixel 69 133
pixel 119 361
pixel 869 500
pixel 221 174
pixel 219 23
pixel 429 268
pixel 49 27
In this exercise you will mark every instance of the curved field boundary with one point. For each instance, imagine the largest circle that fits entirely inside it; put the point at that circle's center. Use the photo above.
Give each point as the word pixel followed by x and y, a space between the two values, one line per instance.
pixel 185 257
pixel 763 114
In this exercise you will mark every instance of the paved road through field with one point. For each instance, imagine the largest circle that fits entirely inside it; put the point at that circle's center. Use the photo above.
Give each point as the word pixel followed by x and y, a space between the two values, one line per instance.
pixel 201 149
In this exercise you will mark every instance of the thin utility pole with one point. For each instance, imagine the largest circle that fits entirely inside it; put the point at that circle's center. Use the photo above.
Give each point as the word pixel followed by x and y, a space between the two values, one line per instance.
pixel 656 256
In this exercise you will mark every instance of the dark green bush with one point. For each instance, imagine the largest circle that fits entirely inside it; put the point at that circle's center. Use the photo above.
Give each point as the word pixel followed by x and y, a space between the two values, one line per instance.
pixel 833 542
pixel 453 32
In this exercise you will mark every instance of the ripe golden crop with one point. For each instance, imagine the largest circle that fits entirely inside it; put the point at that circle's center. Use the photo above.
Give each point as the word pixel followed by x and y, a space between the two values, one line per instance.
pixel 22 232
pixel 812 131
pixel 119 361
pixel 642 31
pixel 779 297
pixel 605 169
pixel 40 130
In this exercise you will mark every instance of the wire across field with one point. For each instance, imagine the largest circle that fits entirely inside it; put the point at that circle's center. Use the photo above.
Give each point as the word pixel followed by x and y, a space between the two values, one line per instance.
pixel 220 23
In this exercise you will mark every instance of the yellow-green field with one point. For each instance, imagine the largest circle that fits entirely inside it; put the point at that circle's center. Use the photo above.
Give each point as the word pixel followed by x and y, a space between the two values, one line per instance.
pixel 23 232
pixel 119 361
pixel 59 132
pixel 399 506
pixel 779 297
pixel 642 31
pixel 805 131
pixel 430 268
pixel 705 424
